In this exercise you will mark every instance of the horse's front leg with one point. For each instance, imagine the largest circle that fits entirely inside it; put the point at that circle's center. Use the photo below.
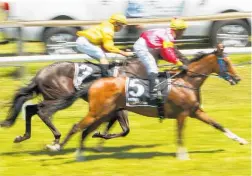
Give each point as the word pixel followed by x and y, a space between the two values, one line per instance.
pixel 202 116
pixel 182 153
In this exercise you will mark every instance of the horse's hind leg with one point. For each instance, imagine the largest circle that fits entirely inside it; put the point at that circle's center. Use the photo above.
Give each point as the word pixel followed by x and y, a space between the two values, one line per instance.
pixel 202 116
pixel 95 115
pixel 105 132
pixel 122 118
pixel 99 146
pixel 102 102
pixel 84 123
pixel 31 110
pixel 85 133
pixel 45 110
pixel 102 114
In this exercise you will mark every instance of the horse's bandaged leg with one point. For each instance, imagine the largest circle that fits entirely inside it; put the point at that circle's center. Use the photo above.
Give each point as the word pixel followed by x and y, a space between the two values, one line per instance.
pixel 79 155
pixel 53 148
pixel 182 154
pixel 233 136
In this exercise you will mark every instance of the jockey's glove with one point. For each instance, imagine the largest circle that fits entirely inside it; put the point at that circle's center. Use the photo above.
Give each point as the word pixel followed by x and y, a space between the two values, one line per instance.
pixel 179 63
pixel 183 67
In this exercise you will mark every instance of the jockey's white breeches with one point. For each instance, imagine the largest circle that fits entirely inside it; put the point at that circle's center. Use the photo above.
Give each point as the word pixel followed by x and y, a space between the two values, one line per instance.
pixel 143 52
pixel 84 46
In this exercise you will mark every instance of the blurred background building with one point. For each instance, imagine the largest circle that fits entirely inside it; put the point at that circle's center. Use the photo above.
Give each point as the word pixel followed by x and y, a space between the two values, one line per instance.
pixel 60 40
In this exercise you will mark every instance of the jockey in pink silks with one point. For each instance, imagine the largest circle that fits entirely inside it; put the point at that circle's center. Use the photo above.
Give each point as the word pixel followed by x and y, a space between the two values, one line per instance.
pixel 155 42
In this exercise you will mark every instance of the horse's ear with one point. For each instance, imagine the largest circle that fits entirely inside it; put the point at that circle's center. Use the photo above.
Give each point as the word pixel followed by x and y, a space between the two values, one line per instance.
pixel 220 49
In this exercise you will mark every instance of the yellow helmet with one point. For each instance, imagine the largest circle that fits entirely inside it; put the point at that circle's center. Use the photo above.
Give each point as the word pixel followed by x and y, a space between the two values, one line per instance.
pixel 118 18
pixel 177 24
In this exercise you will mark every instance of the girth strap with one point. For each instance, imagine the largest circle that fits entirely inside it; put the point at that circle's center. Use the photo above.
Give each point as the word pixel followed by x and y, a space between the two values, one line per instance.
pixel 160 108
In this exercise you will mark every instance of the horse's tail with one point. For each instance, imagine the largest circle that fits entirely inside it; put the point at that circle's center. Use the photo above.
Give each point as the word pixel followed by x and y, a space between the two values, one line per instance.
pixel 21 96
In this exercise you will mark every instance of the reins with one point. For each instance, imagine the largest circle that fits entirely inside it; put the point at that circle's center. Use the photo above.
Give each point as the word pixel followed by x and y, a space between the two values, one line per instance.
pixel 201 74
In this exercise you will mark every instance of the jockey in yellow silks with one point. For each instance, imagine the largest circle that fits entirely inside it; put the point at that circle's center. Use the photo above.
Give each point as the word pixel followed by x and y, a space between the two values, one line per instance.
pixel 102 35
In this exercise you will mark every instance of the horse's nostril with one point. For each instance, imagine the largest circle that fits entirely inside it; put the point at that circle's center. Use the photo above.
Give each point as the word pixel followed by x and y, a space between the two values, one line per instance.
pixel 232 82
pixel 237 79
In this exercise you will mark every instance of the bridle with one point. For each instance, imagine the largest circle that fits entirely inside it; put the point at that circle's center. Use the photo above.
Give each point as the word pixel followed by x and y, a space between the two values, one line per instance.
pixel 223 70
pixel 223 73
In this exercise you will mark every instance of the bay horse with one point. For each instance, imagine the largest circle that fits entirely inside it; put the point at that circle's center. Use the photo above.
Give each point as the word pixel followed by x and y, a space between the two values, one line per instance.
pixel 107 95
pixel 56 81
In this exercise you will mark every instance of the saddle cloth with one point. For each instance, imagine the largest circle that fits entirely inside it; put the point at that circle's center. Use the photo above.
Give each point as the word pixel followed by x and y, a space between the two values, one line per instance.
pixel 84 72
pixel 137 91
pixel 87 71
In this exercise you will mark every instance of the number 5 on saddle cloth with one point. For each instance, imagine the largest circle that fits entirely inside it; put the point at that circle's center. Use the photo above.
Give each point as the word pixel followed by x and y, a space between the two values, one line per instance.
pixel 137 92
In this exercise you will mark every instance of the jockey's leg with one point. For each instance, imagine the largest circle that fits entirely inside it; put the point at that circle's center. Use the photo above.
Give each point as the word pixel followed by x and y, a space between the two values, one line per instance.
pixel 150 64
pixel 84 46
pixel 152 85
pixel 104 64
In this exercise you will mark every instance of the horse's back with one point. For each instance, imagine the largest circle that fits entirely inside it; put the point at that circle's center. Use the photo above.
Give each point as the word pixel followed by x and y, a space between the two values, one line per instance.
pixel 56 69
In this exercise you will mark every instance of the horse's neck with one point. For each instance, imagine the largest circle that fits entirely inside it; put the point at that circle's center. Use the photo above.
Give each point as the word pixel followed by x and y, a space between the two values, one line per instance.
pixel 204 66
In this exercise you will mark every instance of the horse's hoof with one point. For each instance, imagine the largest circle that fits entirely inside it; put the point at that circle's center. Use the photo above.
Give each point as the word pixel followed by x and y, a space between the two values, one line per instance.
pixel 243 141
pixel 5 124
pixel 96 135
pixel 98 148
pixel 18 139
pixel 183 157
pixel 79 156
pixel 182 154
pixel 53 148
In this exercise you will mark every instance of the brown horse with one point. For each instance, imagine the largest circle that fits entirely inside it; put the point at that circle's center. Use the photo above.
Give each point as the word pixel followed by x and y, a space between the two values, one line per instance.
pixel 108 95
pixel 56 81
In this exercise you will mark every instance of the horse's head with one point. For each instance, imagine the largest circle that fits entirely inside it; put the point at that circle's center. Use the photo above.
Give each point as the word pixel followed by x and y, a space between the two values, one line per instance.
pixel 225 68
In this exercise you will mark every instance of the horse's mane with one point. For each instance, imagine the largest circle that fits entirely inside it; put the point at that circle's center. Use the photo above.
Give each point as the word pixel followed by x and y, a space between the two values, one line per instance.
pixel 200 55
pixel 196 57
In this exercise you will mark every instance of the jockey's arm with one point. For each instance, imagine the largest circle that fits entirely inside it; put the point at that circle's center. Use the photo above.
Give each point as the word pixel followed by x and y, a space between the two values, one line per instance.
pixel 108 45
pixel 168 53
pixel 179 55
pixel 80 33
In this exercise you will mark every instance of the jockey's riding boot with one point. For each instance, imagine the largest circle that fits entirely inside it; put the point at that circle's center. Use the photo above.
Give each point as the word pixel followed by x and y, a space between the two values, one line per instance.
pixel 152 84
pixel 104 70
